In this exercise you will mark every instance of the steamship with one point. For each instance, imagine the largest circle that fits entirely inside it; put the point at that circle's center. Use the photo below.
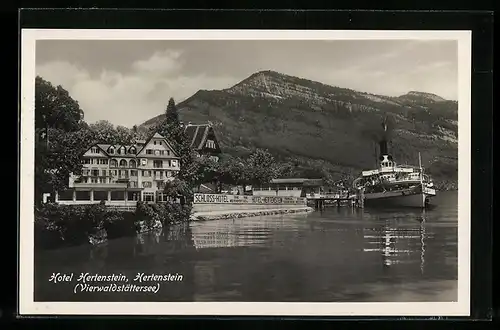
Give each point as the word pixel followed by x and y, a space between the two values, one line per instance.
pixel 392 184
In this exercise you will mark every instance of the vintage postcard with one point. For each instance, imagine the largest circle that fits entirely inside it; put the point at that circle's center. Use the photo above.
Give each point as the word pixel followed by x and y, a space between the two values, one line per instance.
pixel 245 172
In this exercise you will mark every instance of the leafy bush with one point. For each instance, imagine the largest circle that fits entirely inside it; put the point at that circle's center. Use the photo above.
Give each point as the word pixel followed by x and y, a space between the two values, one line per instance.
pixel 164 213
pixel 119 224
pixel 73 224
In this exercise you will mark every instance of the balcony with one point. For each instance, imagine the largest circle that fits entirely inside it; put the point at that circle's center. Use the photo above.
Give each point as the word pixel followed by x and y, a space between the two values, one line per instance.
pixel 111 185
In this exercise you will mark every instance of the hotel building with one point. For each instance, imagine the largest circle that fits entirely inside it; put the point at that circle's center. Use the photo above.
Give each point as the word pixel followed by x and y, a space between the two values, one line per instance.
pixel 203 140
pixel 123 174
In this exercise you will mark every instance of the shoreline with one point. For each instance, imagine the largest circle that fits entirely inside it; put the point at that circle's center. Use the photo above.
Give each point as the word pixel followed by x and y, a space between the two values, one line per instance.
pixel 231 214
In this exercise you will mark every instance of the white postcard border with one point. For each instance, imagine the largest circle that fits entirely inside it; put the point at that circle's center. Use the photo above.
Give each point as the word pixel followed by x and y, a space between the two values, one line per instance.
pixel 27 305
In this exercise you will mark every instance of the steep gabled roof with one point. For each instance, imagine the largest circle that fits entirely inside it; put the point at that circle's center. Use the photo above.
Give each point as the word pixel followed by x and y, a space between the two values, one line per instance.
pixel 157 136
pixel 103 147
pixel 197 134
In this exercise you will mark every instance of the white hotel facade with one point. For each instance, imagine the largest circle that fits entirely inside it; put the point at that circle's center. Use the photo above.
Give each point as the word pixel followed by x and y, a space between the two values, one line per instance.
pixel 123 174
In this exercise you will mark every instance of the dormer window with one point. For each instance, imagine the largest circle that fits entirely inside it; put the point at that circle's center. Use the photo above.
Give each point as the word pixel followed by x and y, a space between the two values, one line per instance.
pixel 94 150
pixel 210 144
pixel 111 150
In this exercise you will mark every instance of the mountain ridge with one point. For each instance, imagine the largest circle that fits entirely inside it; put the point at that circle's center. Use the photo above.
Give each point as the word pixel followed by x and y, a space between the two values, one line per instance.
pixel 324 127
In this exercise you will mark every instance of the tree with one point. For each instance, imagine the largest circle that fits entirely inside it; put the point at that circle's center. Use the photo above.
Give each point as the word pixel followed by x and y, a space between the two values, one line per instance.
pixel 171 114
pixel 178 188
pixel 104 131
pixel 124 135
pixel 261 167
pixel 140 133
pixel 54 107
pixel 58 158
pixel 62 137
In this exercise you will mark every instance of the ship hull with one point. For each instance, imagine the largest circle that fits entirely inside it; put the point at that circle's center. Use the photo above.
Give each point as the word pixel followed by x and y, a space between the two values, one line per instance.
pixel 419 200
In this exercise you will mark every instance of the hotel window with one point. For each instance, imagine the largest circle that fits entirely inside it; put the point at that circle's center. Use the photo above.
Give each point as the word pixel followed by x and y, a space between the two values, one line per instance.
pixel 102 180
pixel 148 197
pixel 157 152
pixel 146 173
pixel 86 172
pixel 95 172
pixel 113 172
pixel 114 163
pixel 132 163
pixel 132 150
pixel 169 174
pixel 158 164
pixel 174 163
pixel 94 150
pixel 162 152
pixel 146 184
pixel 103 172
pixel 210 144
pixel 149 151
pixel 133 173
pixel 122 150
pixel 111 150
pixel 168 152
pixel 86 161
pixel 154 142
pixel 94 180
pixel 144 162
pixel 160 185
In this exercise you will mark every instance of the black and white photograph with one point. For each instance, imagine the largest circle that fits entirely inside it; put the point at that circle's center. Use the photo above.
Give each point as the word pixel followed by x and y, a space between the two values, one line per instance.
pixel 208 172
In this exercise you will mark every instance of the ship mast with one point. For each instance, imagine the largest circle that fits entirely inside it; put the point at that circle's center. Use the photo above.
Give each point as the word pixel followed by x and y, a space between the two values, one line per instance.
pixel 421 170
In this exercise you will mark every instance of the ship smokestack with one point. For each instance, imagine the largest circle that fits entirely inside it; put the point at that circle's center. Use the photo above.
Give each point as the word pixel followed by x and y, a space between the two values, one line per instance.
pixel 383 142
pixel 383 147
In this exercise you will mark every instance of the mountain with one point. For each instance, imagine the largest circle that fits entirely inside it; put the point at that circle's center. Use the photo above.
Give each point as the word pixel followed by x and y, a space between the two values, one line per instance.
pixel 323 127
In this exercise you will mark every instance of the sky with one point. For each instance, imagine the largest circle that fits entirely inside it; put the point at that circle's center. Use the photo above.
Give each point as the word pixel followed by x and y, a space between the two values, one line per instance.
pixel 130 81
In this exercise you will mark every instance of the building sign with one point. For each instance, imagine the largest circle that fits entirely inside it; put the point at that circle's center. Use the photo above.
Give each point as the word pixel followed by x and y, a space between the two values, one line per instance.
pixel 242 199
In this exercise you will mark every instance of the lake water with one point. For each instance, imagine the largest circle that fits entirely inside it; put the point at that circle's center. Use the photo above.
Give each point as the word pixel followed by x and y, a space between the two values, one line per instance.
pixel 338 255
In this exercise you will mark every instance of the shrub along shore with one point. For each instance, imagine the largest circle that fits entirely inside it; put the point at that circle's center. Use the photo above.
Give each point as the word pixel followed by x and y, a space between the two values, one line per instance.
pixel 59 226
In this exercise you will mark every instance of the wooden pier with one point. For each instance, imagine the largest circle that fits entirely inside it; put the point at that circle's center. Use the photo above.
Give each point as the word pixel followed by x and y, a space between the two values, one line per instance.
pixel 337 199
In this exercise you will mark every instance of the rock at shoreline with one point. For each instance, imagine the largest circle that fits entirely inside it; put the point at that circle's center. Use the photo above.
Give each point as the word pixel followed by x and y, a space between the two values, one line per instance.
pixel 248 214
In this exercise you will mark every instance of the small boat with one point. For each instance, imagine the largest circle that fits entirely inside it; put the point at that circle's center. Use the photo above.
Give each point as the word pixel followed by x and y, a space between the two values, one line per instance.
pixel 394 185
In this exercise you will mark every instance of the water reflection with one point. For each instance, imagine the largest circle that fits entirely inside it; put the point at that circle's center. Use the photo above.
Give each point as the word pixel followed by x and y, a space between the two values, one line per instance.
pixel 339 254
pixel 257 231
pixel 396 245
